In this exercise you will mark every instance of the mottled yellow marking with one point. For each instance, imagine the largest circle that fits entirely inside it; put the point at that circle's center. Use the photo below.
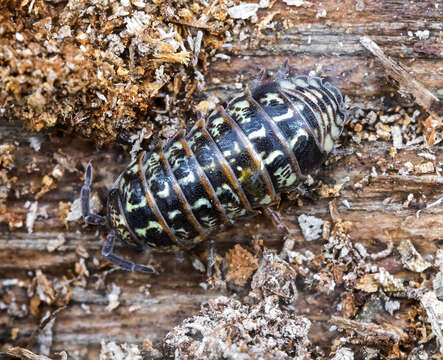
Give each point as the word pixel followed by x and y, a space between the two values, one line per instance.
pixel 237 148
pixel 283 180
pixel 240 104
pixel 245 175
pixel 260 133
pixel 289 114
pixel 130 207
pixel 272 156
pixel 200 202
pixel 301 132
pixel 165 192
pixel 217 121
pixel 142 232
pixel 272 97
pixel 173 214
pixel 188 179
pixel 155 225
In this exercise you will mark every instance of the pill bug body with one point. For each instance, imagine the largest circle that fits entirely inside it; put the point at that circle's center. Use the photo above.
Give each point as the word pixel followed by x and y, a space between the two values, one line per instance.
pixel 236 162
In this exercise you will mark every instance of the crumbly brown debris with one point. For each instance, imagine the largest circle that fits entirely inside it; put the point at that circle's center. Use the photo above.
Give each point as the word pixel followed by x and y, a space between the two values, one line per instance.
pixel 403 127
pixel 97 68
pixel 242 264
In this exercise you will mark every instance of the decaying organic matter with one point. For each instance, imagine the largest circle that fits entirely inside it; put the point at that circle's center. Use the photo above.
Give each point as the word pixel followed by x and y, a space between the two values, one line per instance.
pixel 230 329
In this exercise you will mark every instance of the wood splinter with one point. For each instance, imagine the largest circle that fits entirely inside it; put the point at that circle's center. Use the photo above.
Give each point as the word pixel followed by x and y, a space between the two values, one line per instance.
pixel 422 95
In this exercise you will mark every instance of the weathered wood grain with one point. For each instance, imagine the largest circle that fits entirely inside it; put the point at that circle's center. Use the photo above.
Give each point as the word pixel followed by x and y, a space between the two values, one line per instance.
pixel 176 292
pixel 327 44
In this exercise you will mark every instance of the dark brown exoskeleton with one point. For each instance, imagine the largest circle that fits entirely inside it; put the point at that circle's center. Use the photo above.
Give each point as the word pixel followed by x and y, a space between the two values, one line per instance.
pixel 236 162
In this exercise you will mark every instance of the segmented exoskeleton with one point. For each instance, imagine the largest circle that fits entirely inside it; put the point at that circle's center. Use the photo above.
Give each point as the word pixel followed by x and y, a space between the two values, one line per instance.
pixel 237 161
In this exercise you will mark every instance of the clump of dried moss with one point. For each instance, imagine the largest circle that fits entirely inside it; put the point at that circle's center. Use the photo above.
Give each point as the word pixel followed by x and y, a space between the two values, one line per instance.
pixel 96 67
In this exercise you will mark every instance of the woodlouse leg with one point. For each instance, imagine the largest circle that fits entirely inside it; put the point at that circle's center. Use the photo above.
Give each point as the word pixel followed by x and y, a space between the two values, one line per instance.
pixel 88 217
pixel 305 193
pixel 282 73
pixel 258 80
pixel 342 152
pixel 108 253
pixel 276 220
pixel 211 258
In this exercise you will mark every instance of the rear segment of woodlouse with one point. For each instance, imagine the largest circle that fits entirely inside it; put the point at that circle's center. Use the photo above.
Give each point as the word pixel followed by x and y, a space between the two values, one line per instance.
pixel 237 161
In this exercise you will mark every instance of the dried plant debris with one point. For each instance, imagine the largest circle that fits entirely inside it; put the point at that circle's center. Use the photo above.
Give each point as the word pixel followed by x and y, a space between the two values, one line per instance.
pixel 133 68
pixel 261 328
pixel 407 83
pixel 242 264
pixel 343 353
pixel 402 126
pixel 113 351
pixel 438 280
pixel 371 332
pixel 8 184
pixel 26 175
pixel 274 277
pixel 40 293
pixel 25 354
pixel 434 311
pixel 113 298
pixel 410 257
pixel 374 304
pixel 98 67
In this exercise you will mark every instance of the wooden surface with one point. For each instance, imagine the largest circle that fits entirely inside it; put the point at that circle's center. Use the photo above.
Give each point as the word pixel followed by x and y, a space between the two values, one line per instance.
pixel 327 44
pixel 176 293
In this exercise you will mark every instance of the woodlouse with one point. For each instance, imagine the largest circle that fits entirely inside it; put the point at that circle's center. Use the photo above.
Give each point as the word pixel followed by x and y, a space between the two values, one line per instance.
pixel 238 161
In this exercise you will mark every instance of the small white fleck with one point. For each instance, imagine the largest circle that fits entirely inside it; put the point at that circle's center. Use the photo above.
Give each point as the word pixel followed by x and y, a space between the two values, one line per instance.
pixel 392 306
pixel 294 2
pixel 223 56
pixel 397 140
pixel 101 97
pixel 310 226
pixel 321 14
pixel 113 298
pixel 243 11
pixel 343 353
pixel 54 244
pixel 35 142
pixel 422 34
pixel 198 265
pixel 427 156
pixel 31 216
